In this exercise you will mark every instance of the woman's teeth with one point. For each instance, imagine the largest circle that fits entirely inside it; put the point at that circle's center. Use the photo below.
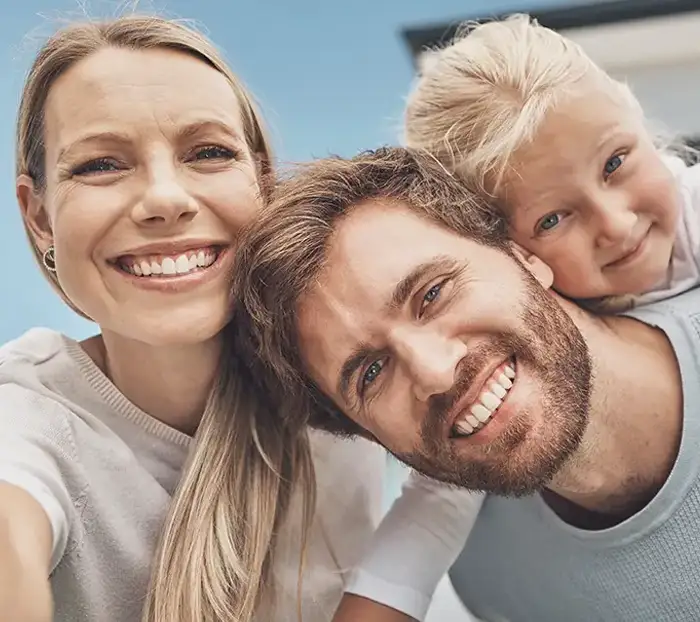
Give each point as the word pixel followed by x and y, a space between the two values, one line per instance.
pixel 174 265
pixel 480 412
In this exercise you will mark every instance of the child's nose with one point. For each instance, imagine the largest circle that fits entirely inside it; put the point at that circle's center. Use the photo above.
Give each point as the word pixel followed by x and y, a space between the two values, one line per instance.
pixel 615 224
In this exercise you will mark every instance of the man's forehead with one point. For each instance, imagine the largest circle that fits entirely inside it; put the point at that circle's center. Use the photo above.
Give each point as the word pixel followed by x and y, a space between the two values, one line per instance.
pixel 330 323
pixel 366 258
pixel 382 238
pixel 376 220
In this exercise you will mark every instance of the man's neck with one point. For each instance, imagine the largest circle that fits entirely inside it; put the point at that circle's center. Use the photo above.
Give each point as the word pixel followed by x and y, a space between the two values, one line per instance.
pixel 634 429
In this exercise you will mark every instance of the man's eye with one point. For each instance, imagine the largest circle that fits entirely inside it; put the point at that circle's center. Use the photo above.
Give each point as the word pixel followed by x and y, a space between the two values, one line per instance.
pixel 371 374
pixel 430 296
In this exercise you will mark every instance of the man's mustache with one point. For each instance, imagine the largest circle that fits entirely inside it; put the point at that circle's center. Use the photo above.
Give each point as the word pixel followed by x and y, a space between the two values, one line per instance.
pixel 468 370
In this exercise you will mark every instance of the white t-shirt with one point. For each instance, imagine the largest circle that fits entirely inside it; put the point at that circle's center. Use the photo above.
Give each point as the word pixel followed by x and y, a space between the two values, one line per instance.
pixel 428 525
pixel 104 472
pixel 415 544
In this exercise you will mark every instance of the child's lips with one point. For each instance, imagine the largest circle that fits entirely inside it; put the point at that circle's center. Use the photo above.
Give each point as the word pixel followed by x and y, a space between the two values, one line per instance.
pixel 630 254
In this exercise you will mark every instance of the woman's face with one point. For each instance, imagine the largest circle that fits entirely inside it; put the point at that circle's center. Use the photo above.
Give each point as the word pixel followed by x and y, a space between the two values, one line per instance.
pixel 149 181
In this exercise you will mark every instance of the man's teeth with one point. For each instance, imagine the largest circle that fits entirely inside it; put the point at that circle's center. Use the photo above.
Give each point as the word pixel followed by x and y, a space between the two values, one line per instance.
pixel 170 266
pixel 495 391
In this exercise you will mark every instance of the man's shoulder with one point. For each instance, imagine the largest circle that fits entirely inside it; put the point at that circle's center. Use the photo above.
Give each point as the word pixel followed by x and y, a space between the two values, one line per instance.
pixel 679 319
pixel 678 310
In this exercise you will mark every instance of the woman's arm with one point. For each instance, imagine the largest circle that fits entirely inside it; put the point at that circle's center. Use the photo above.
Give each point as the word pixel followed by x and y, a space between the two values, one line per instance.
pixel 35 504
pixel 25 555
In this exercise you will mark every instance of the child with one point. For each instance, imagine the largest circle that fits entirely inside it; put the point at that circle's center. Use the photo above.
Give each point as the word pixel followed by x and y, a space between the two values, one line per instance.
pixel 522 114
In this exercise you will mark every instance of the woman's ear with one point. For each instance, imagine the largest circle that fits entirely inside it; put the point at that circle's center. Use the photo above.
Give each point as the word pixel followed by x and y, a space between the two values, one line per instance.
pixel 540 270
pixel 264 176
pixel 31 203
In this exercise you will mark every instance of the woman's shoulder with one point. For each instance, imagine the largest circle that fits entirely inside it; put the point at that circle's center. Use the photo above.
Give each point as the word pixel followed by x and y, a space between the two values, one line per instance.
pixel 32 421
pixel 34 366
pixel 33 348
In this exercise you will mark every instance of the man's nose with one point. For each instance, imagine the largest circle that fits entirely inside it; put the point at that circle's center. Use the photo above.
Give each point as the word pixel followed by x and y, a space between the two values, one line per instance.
pixel 432 361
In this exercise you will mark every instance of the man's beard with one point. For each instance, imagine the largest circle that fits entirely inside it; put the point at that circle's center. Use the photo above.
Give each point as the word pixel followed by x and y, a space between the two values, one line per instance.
pixel 518 462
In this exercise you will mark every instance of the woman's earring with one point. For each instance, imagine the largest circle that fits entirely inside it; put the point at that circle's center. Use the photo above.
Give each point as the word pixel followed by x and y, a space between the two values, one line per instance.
pixel 49 259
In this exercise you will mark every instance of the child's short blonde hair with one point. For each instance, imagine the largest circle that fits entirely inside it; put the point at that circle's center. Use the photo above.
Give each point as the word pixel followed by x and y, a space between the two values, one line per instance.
pixel 486 94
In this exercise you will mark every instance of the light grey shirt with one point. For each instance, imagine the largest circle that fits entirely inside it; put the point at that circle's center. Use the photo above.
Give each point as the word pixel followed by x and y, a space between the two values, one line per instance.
pixel 104 472
pixel 522 563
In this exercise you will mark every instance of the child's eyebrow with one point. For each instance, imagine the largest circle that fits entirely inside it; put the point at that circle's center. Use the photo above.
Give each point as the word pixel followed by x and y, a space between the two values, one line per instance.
pixel 613 133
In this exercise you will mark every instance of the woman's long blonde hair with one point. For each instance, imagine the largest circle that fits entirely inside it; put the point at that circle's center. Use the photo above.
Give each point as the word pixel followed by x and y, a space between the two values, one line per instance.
pixel 482 97
pixel 214 559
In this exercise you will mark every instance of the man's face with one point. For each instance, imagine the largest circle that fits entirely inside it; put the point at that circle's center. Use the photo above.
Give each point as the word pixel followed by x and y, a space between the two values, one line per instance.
pixel 449 353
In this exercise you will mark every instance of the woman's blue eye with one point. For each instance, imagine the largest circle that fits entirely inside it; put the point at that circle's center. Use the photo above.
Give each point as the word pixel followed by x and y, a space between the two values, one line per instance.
pixel 371 373
pixel 549 222
pixel 613 164
pixel 101 165
pixel 214 153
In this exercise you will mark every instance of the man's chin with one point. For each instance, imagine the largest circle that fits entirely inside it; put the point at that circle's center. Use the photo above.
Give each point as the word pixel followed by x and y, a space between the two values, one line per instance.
pixel 524 469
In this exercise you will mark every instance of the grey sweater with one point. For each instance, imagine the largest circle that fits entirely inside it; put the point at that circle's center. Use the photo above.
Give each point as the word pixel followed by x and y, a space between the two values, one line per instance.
pixel 104 472
pixel 523 564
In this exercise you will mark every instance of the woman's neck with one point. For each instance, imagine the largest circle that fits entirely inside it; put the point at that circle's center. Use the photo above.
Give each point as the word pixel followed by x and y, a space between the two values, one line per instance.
pixel 170 383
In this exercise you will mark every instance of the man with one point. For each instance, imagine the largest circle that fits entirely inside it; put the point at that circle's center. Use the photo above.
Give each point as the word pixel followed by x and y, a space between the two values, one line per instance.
pixel 384 297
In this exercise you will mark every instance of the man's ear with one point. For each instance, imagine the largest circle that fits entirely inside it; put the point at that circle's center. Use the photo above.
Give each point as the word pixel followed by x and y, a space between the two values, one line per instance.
pixel 540 270
pixel 31 203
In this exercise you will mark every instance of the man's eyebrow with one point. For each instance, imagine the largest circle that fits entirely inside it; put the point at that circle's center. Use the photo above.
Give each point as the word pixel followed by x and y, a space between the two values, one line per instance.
pixel 406 286
pixel 402 292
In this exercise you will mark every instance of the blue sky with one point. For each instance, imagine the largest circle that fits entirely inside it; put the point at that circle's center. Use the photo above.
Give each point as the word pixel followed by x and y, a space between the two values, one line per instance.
pixel 330 76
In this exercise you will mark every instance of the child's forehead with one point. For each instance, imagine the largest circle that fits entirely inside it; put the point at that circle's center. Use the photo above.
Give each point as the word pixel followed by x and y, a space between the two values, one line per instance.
pixel 589 118
pixel 573 137
pixel 573 134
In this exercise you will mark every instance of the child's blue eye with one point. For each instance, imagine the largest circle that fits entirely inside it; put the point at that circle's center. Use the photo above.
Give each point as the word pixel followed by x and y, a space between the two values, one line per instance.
pixel 613 164
pixel 549 222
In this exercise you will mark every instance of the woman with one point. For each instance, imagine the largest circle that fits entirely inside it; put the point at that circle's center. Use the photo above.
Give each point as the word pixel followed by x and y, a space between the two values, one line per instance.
pixel 133 190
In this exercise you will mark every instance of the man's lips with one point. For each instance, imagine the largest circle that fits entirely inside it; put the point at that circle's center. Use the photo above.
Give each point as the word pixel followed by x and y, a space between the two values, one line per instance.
pixel 486 394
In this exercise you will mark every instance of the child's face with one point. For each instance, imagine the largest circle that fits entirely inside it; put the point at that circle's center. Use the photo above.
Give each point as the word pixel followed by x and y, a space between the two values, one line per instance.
pixel 593 199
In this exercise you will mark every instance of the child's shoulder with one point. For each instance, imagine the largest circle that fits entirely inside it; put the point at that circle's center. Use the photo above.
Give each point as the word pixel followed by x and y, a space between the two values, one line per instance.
pixel 686 172
pixel 677 163
pixel 688 180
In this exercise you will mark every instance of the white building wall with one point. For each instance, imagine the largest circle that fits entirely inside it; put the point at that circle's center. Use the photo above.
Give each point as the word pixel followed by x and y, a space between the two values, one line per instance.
pixel 660 60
